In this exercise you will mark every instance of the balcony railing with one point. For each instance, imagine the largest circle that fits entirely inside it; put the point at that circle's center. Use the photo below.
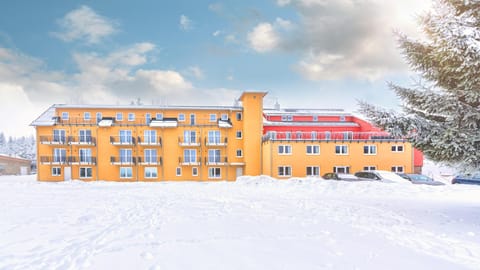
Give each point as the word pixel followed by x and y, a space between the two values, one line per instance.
pixel 149 141
pixel 82 140
pixel 216 141
pixel 122 140
pixel 183 142
pixel 54 160
pixel 74 160
pixel 189 161
pixel 119 160
pixel 330 136
pixel 149 161
pixel 217 160
pixel 51 139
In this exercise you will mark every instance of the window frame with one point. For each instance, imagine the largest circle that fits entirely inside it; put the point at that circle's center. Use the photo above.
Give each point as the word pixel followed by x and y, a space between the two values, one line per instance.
pixel 239 151
pixel 178 171
pixel 150 171
pixel 239 116
pixel 85 118
pixel 369 168
pixel 396 148
pixel 312 147
pixel 284 149
pixel 396 167
pixel 346 169
pixel 87 172
pixel 239 134
pixel 367 150
pixel 314 169
pixel 212 117
pixel 181 117
pixel 65 116
pixel 126 172
pixel 284 171
pixel 194 171
pixel 342 147
pixel 118 116
pixel 56 171
pixel 214 175
pixel 131 117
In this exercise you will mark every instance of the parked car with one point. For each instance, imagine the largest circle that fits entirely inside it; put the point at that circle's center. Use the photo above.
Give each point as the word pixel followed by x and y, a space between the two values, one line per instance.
pixel 340 176
pixel 420 179
pixel 384 176
pixel 467 179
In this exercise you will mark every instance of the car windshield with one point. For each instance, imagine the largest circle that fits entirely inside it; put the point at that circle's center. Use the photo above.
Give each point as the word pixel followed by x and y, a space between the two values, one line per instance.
pixel 419 177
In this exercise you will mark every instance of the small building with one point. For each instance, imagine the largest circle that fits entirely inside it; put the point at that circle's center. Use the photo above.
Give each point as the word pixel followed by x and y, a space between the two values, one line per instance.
pixel 10 165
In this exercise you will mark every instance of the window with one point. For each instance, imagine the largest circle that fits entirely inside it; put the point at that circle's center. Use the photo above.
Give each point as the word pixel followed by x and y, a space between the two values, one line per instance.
pixel 148 118
pixel 125 136
pixel 239 153
pixel 181 117
pixel 214 136
pixel 192 119
pixel 150 136
pixel 189 137
pixel 99 116
pixel 284 118
pixel 159 116
pixel 369 168
pixel 213 155
pixel 125 172
pixel 284 149
pixel 213 117
pixel 131 117
pixel 150 155
pixel 224 117
pixel 313 171
pixel 65 116
pixel 342 118
pixel 238 134
pixel 347 135
pixel 341 169
pixel 86 172
pixel 313 149
pixel 288 135
pixel 284 171
pixel 189 156
pixel 315 118
pixel 397 148
pixel 87 116
pixel 59 155
pixel 151 172
pixel 239 116
pixel 214 173
pixel 328 135
pixel 85 136
pixel 313 135
pixel 370 150
pixel 341 149
pixel 298 135
pixel 272 135
pixel 178 171
pixel 59 135
pixel 397 169
pixel 126 156
pixel 85 155
pixel 119 116
pixel 194 171
pixel 56 171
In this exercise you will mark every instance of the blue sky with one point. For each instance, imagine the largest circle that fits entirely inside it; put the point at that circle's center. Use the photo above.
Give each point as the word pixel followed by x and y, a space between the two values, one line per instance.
pixel 305 53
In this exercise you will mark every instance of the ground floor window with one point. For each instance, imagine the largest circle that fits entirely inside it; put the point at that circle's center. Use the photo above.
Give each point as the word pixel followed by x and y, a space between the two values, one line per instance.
pixel 194 171
pixel 125 172
pixel 369 168
pixel 56 171
pixel 397 169
pixel 214 173
pixel 179 171
pixel 151 172
pixel 86 172
pixel 341 169
pixel 284 171
pixel 313 171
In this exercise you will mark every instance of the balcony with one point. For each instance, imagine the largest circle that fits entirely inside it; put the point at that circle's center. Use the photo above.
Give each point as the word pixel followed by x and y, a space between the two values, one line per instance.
pixel 183 142
pixel 150 141
pixel 51 139
pixel 53 160
pixel 150 161
pixel 74 160
pixel 216 161
pixel 122 140
pixel 330 136
pixel 82 140
pixel 189 161
pixel 116 160
pixel 216 141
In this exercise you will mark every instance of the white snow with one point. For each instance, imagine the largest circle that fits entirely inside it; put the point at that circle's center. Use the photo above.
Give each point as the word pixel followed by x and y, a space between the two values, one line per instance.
pixel 254 223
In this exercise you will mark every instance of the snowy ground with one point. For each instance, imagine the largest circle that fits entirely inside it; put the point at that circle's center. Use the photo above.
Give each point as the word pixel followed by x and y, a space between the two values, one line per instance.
pixel 255 223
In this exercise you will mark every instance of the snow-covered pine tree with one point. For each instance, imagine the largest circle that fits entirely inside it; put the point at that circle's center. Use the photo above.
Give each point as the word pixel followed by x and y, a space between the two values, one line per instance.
pixel 441 113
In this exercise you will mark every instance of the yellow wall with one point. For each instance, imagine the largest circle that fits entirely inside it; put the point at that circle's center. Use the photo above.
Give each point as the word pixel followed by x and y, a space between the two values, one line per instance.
pixel 298 160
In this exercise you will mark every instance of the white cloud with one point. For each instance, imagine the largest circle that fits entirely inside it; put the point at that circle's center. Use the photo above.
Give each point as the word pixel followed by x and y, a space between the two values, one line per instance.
pixel 85 24
pixel 185 23
pixel 195 72
pixel 216 33
pixel 263 38
pixel 283 2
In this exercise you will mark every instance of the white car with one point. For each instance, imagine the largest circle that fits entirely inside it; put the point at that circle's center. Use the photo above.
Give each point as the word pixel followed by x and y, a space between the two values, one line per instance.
pixel 384 176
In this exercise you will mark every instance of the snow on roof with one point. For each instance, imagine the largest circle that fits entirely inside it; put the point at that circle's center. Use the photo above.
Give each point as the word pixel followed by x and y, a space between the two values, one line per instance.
pixel 325 112
pixel 13 157
pixel 140 107
pixel 46 118
pixel 311 124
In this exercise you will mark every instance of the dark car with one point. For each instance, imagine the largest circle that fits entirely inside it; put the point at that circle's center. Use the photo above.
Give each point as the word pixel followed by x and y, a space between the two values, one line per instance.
pixel 340 176
pixel 467 179
pixel 420 179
